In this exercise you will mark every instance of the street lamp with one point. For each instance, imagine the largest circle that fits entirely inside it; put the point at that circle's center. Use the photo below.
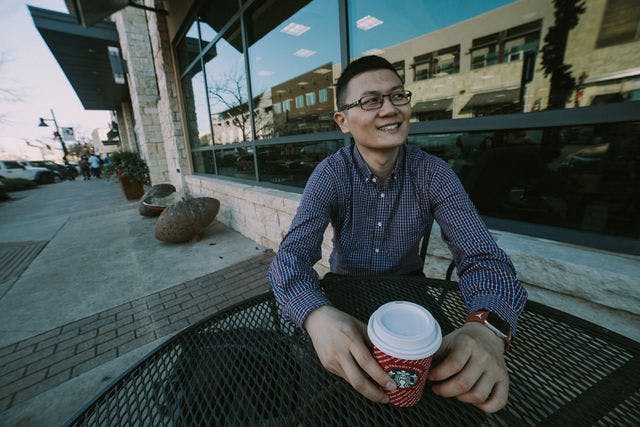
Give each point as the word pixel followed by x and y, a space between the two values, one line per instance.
pixel 57 133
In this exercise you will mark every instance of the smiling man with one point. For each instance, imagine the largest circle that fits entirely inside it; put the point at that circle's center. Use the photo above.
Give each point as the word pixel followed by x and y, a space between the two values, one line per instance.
pixel 379 195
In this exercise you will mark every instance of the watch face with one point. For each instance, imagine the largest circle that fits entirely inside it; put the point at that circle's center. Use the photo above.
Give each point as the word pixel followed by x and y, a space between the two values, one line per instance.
pixel 499 324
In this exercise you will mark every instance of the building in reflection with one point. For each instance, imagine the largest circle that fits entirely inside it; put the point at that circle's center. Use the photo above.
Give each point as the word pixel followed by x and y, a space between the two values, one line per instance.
pixel 305 103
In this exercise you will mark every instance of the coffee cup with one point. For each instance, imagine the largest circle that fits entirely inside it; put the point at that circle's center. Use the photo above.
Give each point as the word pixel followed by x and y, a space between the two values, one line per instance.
pixel 405 336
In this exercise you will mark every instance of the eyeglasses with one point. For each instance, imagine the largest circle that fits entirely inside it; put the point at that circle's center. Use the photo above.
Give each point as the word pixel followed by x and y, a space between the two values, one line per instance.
pixel 373 102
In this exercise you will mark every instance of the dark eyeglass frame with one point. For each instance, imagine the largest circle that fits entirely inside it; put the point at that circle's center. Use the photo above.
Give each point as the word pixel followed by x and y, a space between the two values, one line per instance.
pixel 380 97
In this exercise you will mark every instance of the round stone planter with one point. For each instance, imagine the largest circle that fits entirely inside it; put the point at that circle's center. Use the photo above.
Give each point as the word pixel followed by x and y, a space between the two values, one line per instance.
pixel 186 220
pixel 157 198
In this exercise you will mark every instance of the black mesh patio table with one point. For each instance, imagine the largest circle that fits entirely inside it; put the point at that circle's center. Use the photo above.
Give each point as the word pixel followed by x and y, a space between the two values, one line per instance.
pixel 245 366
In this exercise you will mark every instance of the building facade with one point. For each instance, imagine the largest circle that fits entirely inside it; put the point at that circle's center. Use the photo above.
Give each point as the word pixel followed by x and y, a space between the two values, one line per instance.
pixel 534 108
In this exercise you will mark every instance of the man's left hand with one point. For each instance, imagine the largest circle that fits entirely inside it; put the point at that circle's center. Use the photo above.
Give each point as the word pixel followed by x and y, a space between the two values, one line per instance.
pixel 471 368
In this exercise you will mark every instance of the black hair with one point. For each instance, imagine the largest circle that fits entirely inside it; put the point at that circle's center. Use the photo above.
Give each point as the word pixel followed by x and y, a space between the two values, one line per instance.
pixel 359 66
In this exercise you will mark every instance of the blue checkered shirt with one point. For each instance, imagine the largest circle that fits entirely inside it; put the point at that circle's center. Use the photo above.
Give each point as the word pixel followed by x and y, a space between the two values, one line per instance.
pixel 377 230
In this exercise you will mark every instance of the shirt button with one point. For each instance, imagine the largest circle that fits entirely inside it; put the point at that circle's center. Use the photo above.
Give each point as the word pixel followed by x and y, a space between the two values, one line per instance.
pixel 379 224
pixel 373 179
pixel 377 250
pixel 382 195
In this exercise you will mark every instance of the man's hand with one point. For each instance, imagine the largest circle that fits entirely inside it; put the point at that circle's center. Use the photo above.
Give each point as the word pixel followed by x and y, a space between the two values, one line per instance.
pixel 472 368
pixel 341 342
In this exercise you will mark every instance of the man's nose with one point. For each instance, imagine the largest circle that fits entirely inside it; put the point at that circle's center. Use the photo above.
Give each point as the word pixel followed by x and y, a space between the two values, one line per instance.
pixel 387 106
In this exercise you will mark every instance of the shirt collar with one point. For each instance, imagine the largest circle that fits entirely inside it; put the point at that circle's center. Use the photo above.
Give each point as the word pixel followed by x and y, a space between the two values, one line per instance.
pixel 363 168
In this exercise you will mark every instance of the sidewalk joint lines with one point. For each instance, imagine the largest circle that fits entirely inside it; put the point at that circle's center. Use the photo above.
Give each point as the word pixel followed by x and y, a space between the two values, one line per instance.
pixel 44 361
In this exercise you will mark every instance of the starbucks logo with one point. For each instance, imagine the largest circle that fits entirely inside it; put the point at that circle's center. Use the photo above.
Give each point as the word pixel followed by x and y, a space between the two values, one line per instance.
pixel 403 378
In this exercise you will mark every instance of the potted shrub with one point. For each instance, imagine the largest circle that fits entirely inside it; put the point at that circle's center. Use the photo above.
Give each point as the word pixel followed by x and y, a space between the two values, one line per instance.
pixel 132 172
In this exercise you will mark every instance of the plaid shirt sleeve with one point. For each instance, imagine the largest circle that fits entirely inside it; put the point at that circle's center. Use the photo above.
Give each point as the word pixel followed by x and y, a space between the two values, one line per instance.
pixel 487 277
pixel 293 280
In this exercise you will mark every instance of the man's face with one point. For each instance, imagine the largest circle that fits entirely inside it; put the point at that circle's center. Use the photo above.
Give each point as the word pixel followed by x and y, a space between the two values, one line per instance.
pixel 384 128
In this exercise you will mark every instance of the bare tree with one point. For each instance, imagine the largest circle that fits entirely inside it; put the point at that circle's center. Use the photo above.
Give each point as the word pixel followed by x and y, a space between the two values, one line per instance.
pixel 230 91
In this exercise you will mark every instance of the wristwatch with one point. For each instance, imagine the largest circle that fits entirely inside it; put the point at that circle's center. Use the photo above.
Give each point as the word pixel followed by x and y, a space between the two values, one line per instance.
pixel 494 323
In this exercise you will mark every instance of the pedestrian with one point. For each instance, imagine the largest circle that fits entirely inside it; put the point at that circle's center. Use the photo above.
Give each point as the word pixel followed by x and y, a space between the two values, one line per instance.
pixel 380 194
pixel 85 167
pixel 94 163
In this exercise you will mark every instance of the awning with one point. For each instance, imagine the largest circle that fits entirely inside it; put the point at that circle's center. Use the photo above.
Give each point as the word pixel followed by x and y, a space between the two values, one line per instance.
pixel 83 56
pixel 505 96
pixel 608 98
pixel 443 104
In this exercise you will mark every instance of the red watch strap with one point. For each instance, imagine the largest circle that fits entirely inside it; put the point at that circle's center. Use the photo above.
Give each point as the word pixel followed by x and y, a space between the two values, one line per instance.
pixel 480 316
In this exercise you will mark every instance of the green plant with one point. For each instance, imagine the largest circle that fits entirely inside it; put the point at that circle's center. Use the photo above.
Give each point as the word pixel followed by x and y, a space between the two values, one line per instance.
pixel 129 164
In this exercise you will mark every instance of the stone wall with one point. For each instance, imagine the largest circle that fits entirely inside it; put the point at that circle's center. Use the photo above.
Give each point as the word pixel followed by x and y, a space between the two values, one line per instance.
pixel 596 285
pixel 143 87
pixel 168 103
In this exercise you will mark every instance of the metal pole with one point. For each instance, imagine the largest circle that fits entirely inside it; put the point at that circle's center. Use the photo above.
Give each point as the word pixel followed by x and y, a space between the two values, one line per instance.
pixel 64 147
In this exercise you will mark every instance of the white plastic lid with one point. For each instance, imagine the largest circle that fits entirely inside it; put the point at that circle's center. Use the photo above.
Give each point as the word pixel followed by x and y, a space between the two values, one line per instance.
pixel 404 330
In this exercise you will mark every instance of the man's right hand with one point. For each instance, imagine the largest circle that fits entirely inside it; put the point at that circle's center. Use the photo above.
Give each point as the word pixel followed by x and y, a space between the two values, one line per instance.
pixel 340 341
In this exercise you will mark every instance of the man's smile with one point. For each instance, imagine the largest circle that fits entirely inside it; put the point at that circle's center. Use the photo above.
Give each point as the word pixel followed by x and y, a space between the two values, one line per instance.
pixel 391 126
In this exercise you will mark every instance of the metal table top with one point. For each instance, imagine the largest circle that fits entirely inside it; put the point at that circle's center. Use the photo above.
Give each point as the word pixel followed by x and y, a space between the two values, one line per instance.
pixel 245 366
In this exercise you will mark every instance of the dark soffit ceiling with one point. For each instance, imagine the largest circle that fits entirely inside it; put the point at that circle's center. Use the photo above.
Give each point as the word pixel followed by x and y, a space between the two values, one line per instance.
pixel 82 54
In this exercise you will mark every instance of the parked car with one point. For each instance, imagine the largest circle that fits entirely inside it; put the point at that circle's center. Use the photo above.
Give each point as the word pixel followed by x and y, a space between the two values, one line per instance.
pixel 63 172
pixel 15 169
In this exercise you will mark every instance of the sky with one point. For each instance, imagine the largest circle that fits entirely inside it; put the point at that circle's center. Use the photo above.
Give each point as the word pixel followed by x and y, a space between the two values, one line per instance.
pixel 29 70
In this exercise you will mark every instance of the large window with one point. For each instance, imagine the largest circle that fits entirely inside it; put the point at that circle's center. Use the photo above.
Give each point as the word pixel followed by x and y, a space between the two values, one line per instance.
pixel 294 49
pixel 577 177
pixel 258 86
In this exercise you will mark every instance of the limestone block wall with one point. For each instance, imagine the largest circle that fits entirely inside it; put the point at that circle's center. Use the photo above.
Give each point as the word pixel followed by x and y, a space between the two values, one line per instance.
pixel 168 104
pixel 262 214
pixel 596 285
pixel 133 32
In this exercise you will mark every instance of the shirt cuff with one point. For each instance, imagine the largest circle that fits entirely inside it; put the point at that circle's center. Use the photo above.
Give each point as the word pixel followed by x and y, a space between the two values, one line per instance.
pixel 498 306
pixel 301 305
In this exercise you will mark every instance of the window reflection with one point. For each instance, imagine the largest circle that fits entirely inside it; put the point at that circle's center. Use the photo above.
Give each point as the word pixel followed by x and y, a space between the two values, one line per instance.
pixel 291 164
pixel 187 50
pixel 213 16
pixel 469 60
pixel 196 109
pixel 227 91
pixel 203 161
pixel 236 162
pixel 582 177
pixel 293 56
pixel 487 58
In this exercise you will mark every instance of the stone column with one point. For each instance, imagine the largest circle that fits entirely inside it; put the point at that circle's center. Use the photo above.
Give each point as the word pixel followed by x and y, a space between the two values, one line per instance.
pixel 143 88
pixel 124 115
pixel 168 105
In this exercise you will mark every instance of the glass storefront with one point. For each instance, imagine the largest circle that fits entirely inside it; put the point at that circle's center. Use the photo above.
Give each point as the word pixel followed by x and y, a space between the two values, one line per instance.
pixel 581 177
pixel 270 68
pixel 294 58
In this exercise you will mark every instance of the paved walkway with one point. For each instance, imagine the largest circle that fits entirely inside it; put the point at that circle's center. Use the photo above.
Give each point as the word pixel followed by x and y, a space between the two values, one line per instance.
pixel 85 290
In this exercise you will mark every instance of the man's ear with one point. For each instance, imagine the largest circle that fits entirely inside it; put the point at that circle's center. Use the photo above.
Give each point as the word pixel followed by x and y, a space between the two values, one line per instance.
pixel 341 120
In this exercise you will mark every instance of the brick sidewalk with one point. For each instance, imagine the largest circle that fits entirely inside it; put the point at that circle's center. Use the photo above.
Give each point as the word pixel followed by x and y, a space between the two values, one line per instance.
pixel 39 363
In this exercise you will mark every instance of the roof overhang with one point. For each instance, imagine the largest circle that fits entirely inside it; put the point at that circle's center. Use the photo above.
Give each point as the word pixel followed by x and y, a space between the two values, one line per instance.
pixel 83 55
pixel 429 105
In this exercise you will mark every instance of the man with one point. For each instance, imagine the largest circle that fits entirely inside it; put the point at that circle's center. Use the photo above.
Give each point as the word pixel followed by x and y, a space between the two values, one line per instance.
pixel 94 162
pixel 379 195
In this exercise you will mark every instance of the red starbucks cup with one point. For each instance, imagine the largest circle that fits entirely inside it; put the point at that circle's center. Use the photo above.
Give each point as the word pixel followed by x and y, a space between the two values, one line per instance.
pixel 405 336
